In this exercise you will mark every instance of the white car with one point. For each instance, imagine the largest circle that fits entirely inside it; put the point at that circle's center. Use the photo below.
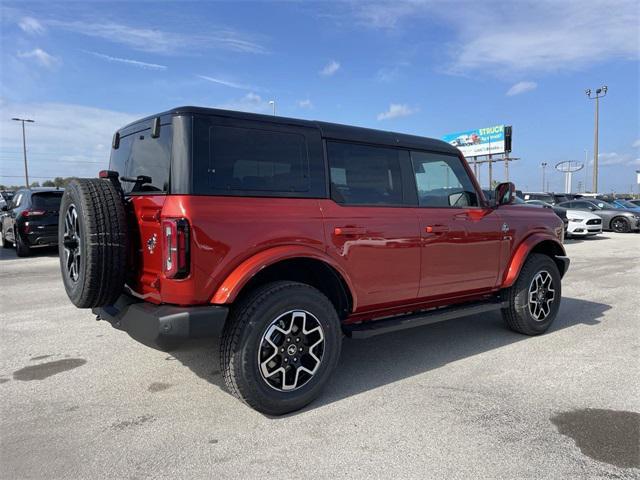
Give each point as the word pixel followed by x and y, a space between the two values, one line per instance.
pixel 583 224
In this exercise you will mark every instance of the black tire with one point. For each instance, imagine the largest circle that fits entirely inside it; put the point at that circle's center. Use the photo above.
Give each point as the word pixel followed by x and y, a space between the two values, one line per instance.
pixel 22 249
pixel 99 236
pixel 620 225
pixel 519 315
pixel 243 335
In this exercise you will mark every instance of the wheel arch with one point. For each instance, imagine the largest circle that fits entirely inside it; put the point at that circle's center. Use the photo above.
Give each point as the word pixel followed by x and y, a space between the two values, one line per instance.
pixel 301 264
pixel 536 243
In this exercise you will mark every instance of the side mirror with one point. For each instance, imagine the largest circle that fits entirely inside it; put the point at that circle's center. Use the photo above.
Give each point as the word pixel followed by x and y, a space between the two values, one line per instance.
pixel 505 193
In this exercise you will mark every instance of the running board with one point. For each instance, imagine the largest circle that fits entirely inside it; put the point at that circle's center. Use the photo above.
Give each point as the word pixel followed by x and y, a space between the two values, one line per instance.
pixel 378 327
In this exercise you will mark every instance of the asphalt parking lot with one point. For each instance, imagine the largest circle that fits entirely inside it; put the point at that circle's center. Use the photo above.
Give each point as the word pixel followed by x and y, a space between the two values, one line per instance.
pixel 460 399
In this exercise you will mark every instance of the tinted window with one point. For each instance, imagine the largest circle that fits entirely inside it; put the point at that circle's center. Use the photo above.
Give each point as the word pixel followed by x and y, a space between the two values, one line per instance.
pixel 258 160
pixel 46 200
pixel 442 181
pixel 140 154
pixel 364 175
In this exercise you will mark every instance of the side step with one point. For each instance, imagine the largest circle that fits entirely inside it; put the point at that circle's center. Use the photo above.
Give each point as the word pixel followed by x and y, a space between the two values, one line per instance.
pixel 377 327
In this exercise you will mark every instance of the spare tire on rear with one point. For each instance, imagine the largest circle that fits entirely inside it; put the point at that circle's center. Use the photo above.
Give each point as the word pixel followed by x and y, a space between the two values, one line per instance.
pixel 92 241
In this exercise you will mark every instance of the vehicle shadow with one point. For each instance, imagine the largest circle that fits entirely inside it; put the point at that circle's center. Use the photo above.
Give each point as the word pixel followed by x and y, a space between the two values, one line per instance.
pixel 10 253
pixel 594 238
pixel 407 353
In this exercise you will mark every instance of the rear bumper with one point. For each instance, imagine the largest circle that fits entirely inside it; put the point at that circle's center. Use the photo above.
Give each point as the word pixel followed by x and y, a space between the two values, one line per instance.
pixel 156 325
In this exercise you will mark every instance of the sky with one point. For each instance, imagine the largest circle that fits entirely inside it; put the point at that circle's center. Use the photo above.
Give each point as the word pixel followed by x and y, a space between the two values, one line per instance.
pixel 81 70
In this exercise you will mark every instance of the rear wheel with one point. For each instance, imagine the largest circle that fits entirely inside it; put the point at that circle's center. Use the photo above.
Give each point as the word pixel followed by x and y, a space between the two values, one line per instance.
pixel 280 346
pixel 534 300
pixel 22 249
pixel 620 225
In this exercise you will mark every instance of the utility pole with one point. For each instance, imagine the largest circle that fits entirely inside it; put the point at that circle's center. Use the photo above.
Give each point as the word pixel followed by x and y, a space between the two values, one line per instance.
pixel 544 166
pixel 24 147
pixel 599 93
pixel 273 104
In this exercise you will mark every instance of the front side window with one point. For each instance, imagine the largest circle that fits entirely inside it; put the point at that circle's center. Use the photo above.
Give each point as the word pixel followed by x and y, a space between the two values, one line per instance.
pixel 364 175
pixel 254 160
pixel 442 181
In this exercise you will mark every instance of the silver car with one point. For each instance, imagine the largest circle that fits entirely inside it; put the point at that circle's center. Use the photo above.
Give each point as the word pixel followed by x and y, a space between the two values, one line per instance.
pixel 613 218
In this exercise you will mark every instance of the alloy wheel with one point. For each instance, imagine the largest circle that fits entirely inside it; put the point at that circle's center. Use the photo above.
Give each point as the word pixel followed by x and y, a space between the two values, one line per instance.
pixel 541 295
pixel 72 243
pixel 291 350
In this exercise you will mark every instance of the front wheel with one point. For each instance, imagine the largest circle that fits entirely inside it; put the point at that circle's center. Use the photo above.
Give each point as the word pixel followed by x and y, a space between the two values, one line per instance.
pixel 280 346
pixel 620 225
pixel 534 300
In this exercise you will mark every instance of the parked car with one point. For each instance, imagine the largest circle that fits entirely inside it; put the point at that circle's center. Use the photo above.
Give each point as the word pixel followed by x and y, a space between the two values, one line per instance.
pixel 291 233
pixel 626 205
pixel 635 202
pixel 559 211
pixel 545 197
pixel 583 224
pixel 31 220
pixel 613 218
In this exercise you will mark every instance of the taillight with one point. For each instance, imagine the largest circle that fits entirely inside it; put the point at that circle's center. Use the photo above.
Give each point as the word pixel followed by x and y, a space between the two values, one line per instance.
pixel 175 247
pixel 33 213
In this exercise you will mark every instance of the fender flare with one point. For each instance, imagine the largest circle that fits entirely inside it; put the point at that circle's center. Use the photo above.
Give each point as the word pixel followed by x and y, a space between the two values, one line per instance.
pixel 522 252
pixel 232 285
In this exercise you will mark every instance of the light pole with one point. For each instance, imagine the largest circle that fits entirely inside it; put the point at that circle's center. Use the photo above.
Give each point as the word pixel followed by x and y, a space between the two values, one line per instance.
pixel 599 93
pixel 544 166
pixel 24 147
pixel 273 104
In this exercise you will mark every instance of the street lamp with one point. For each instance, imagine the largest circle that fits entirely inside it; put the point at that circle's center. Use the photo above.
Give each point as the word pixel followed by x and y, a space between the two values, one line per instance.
pixel 544 166
pixel 599 93
pixel 273 104
pixel 24 148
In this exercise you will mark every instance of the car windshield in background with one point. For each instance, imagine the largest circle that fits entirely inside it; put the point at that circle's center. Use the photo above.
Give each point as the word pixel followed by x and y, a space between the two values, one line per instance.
pixel 46 200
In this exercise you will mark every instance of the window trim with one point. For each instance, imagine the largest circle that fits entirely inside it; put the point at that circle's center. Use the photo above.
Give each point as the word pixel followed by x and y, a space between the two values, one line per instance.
pixel 479 198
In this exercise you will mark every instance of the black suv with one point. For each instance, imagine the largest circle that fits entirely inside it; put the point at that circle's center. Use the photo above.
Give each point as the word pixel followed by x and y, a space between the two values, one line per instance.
pixel 31 219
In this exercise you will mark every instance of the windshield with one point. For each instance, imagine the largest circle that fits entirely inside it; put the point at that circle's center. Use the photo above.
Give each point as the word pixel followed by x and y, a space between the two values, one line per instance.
pixel 627 204
pixel 46 200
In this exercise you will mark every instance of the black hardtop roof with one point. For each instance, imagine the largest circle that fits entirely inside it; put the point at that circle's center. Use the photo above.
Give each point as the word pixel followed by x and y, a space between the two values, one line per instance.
pixel 328 130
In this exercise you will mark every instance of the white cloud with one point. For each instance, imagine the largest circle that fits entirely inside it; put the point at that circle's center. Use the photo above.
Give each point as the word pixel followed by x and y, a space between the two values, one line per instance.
pixel 31 25
pixel 251 102
pixel 227 83
pixel 41 57
pixel 528 35
pixel 606 159
pixel 521 87
pixel 330 68
pixel 305 103
pixel 397 110
pixel 160 41
pixel 128 61
pixel 65 140
pixel 636 144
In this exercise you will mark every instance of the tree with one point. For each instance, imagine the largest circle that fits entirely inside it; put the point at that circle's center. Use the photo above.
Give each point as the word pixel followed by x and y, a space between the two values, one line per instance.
pixel 35 185
pixel 48 183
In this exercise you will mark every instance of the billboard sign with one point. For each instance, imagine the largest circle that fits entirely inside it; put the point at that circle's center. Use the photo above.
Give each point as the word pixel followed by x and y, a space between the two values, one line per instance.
pixel 482 141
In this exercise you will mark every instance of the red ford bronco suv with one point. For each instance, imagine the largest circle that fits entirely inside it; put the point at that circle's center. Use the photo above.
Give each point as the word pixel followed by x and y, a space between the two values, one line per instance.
pixel 290 233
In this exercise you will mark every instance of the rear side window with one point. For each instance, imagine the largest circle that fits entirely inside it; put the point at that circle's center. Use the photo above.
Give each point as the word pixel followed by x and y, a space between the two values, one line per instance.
pixel 255 160
pixel 46 200
pixel 364 175
pixel 140 155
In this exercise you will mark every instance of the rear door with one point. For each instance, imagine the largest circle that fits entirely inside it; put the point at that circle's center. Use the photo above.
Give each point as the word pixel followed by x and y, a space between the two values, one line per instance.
pixel 461 239
pixel 370 224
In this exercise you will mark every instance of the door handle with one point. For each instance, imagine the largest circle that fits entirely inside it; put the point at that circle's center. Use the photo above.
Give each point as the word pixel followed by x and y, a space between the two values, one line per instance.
pixel 436 229
pixel 349 231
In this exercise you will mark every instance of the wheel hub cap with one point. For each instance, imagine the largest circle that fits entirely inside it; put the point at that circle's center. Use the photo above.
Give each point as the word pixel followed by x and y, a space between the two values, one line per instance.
pixel 541 295
pixel 71 243
pixel 291 350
